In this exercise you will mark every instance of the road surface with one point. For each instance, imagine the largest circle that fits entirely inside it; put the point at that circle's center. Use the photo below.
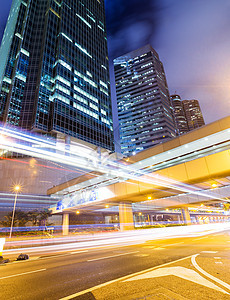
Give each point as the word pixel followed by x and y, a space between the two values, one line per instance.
pixel 196 267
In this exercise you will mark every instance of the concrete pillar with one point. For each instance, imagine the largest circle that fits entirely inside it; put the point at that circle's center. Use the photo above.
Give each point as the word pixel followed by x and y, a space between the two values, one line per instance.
pixel 108 219
pixel 186 216
pixel 65 224
pixel 126 216
pixel 152 222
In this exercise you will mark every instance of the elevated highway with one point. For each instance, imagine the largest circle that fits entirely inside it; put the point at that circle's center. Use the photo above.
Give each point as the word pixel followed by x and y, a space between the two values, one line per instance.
pixel 193 168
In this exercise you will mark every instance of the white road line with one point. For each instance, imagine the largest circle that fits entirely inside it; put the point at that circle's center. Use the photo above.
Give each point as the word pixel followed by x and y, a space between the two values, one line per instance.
pixel 217 257
pixel 113 256
pixel 60 255
pixel 76 252
pixel 193 259
pixel 48 257
pixel 23 274
pixel 209 252
pixel 173 244
pixel 204 237
pixel 121 279
pixel 159 248
pixel 54 256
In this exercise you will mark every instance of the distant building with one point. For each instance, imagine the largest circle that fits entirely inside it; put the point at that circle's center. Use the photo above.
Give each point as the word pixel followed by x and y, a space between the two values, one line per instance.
pixel 179 114
pixel 187 114
pixel 54 71
pixel 193 114
pixel 144 109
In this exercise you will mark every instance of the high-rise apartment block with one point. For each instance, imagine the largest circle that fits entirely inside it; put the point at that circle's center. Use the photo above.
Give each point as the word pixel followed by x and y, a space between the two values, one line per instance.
pixel 193 114
pixel 54 72
pixel 179 114
pixel 187 113
pixel 144 109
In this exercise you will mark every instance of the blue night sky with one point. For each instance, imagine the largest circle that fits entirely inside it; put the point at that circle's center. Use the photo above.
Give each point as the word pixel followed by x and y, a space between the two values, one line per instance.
pixel 191 37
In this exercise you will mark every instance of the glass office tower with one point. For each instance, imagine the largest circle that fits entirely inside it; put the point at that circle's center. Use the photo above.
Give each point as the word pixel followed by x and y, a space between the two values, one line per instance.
pixel 144 109
pixel 193 114
pixel 179 114
pixel 55 71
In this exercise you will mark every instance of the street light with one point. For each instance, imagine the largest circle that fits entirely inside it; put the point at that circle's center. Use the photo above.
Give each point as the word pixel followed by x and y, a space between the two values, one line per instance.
pixel 16 190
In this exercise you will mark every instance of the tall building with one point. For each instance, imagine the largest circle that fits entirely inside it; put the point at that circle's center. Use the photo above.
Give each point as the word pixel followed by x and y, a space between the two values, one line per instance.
pixel 193 114
pixel 144 109
pixel 54 72
pixel 179 114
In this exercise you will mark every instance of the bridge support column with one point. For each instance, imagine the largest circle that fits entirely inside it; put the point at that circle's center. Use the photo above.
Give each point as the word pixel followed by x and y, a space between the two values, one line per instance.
pixel 126 216
pixel 65 224
pixel 186 216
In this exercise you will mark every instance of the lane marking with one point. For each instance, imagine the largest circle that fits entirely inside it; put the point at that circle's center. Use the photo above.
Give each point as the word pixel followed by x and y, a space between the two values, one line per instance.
pixel 180 272
pixel 23 274
pixel 159 248
pixel 76 252
pixel 204 237
pixel 209 252
pixel 48 257
pixel 173 244
pixel 217 257
pixel 193 259
pixel 66 254
pixel 218 262
pixel 111 256
pixel 120 279
pixel 53 256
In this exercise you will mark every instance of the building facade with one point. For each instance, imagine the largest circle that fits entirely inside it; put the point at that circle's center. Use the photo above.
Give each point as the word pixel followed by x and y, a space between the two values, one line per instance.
pixel 193 114
pixel 179 114
pixel 144 109
pixel 54 73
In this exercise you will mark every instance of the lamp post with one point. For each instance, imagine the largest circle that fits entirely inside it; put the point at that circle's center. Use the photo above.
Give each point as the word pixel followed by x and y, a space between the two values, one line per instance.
pixel 16 189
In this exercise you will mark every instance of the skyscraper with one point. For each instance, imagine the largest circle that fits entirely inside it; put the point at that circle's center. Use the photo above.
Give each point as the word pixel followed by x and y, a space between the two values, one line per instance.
pixel 54 73
pixel 144 109
pixel 193 114
pixel 179 114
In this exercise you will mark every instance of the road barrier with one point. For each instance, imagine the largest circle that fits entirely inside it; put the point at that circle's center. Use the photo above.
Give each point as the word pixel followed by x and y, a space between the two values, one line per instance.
pixel 2 243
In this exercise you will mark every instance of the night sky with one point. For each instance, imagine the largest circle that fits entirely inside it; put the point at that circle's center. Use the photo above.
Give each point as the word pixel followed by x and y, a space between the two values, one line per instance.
pixel 191 37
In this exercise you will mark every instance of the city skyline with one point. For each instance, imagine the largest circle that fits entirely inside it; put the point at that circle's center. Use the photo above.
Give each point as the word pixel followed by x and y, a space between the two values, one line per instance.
pixel 191 38
pixel 195 58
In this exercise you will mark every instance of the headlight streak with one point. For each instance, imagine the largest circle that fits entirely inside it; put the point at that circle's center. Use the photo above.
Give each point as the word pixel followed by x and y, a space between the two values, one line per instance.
pixel 117 171
pixel 115 238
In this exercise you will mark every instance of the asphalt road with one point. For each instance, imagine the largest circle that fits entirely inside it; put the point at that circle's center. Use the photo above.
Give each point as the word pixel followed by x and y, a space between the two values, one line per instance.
pixel 176 268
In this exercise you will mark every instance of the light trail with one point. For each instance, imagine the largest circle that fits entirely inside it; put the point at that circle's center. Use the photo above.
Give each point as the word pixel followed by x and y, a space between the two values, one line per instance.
pixel 23 143
pixel 115 238
pixel 40 165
